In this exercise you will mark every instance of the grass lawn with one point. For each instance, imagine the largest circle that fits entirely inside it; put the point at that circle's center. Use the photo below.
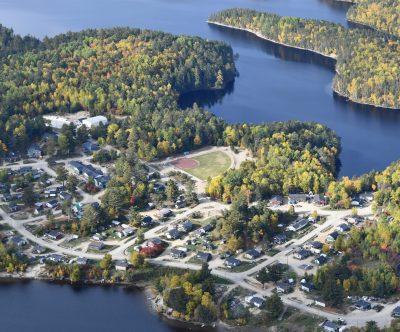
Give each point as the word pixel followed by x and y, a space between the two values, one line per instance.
pixel 211 164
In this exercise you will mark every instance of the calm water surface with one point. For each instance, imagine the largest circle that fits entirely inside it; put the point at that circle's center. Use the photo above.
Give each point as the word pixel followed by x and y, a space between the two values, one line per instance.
pixel 274 84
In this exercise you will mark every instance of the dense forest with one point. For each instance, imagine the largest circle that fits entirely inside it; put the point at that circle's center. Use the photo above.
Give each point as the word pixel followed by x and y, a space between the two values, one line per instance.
pixel 113 71
pixel 291 157
pixel 11 43
pixel 382 15
pixel 368 63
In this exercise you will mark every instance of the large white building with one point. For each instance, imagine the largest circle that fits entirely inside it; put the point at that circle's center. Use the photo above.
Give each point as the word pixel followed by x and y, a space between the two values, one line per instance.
pixel 95 121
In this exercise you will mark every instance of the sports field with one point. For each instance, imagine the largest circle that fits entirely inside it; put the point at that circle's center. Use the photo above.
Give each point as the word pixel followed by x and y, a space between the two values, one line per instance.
pixel 206 165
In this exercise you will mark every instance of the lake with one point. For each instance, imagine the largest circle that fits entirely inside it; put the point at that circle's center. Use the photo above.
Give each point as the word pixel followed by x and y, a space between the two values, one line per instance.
pixel 275 83
pixel 46 307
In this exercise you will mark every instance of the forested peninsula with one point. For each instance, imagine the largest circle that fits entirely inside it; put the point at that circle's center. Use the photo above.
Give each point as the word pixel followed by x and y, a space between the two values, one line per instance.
pixel 382 15
pixel 368 63
pixel 118 71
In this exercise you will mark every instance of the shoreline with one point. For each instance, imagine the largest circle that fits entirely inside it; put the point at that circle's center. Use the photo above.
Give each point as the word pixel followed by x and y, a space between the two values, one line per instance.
pixel 259 35
pixel 151 298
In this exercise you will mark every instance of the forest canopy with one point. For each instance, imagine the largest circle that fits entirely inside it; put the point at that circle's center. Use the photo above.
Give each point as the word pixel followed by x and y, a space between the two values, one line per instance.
pixel 104 71
pixel 368 63
pixel 382 15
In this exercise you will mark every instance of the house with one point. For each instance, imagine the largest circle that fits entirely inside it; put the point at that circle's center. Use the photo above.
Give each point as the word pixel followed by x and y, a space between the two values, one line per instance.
pixel 55 258
pixel 307 287
pixel 76 166
pixel 177 253
pixel 280 238
pixel 276 201
pixel 18 241
pixel 89 147
pixel 332 236
pixel 164 213
pixel 12 207
pixel 319 200
pixel 159 187
pixel 203 256
pixel 65 196
pixel 297 198
pixel 115 223
pixel 396 312
pixel 147 221
pixel 82 261
pixel 342 228
pixel 316 247
pixel 54 235
pixel 257 301
pixel 298 225
pixel 121 265
pixel 50 192
pixel 186 226
pixel 7 197
pixel 284 287
pixel 330 326
pixel 52 204
pixel 95 121
pixel 96 246
pixel 321 259
pixel 204 230
pixel 180 204
pixel 302 254
pixel 38 249
pixel 34 151
pixel 173 234
pixel 231 262
pixel 101 181
pixel 98 237
pixel 252 254
pixel 362 305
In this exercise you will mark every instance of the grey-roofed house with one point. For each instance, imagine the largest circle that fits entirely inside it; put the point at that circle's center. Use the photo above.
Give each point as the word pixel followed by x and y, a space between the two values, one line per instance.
pixel 65 196
pixel 177 253
pixel 302 254
pixel 363 305
pixel 38 249
pixel 173 234
pixel 186 226
pixel 82 261
pixel 280 238
pixel 164 213
pixel 96 246
pixel 332 236
pixel 232 262
pixel 203 256
pixel 147 221
pixel 330 326
pixel 297 198
pixel 343 228
pixel 284 287
pixel 18 241
pixel 34 151
pixel 252 254
pixel 89 147
pixel 257 301
pixel 54 235
pixel 396 312
pixel 298 225
pixel 307 287
pixel 321 260
pixel 121 265
pixel 316 247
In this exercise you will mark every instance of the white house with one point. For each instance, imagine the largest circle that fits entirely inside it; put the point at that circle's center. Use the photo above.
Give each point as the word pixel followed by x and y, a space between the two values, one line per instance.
pixel 95 121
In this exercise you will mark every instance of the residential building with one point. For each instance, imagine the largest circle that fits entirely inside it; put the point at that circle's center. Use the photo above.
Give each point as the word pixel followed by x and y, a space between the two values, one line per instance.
pixel 252 254
pixel 231 262
pixel 186 226
pixel 284 287
pixel 96 246
pixel 173 234
pixel 34 151
pixel 362 305
pixel 164 213
pixel 95 121
pixel 203 256
pixel 321 260
pixel 332 236
pixel 276 201
pixel 54 235
pixel 121 265
pixel 147 221
pixel 302 254
pixel 177 253
pixel 298 198
pixel 330 326
pixel 342 228
pixel 298 225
